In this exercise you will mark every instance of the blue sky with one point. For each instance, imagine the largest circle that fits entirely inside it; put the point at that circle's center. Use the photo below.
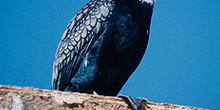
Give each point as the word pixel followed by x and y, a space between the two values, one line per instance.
pixel 181 64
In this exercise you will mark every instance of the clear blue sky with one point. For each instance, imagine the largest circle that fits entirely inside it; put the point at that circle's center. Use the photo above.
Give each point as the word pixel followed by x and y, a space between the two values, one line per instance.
pixel 181 65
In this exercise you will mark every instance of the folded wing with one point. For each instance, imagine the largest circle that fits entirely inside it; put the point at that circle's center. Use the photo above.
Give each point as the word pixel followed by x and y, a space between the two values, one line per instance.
pixel 79 36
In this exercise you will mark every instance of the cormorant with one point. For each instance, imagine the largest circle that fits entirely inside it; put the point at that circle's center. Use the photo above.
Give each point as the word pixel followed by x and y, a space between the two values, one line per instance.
pixel 102 46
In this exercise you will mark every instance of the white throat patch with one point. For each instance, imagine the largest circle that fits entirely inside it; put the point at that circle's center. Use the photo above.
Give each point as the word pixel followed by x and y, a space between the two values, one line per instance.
pixel 151 2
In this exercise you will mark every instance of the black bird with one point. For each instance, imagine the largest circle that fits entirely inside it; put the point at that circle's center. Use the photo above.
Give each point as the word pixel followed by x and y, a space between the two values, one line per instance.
pixel 102 46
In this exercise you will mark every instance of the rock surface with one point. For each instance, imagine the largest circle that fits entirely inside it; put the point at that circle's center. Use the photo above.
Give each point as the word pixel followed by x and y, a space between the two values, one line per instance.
pixel 17 98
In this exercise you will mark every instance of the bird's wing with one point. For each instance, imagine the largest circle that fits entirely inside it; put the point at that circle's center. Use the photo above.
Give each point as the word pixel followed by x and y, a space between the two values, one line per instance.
pixel 80 34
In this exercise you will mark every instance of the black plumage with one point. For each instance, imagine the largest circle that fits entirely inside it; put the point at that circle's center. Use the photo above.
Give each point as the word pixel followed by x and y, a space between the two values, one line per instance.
pixel 102 46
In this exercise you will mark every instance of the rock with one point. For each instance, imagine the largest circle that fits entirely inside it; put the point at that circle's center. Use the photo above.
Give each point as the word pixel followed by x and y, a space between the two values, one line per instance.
pixel 28 98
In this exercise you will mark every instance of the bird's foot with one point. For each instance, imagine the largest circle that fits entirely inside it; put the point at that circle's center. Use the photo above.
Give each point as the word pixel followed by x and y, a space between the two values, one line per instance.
pixel 135 102
pixel 94 93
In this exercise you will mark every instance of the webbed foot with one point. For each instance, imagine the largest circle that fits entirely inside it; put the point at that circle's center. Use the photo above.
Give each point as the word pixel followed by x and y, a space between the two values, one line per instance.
pixel 135 102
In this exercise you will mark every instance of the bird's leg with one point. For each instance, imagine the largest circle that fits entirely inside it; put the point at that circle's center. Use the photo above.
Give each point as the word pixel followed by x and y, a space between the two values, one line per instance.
pixel 135 102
